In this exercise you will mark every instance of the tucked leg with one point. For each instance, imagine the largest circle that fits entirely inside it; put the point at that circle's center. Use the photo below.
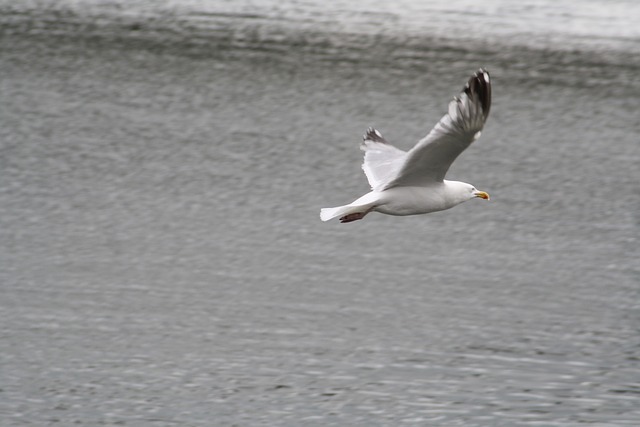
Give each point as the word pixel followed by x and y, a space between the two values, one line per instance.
pixel 354 216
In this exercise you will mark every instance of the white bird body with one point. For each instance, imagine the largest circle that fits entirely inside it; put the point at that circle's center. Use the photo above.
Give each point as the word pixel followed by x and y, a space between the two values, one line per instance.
pixel 412 183
pixel 401 201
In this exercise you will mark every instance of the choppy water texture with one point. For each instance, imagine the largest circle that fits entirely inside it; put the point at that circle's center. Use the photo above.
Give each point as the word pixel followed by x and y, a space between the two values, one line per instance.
pixel 161 257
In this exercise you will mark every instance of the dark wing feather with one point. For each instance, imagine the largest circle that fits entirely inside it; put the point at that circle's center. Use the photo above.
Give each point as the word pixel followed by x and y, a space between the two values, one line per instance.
pixel 432 156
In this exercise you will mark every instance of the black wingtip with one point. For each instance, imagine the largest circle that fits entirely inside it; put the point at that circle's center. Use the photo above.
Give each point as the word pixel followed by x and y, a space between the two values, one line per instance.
pixel 373 135
pixel 480 85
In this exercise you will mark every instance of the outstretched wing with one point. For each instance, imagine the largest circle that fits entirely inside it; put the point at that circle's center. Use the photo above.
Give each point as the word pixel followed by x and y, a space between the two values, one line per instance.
pixel 382 161
pixel 432 156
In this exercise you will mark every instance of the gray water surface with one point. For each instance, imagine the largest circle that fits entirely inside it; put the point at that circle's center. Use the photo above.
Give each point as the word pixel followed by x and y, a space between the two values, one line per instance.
pixel 162 261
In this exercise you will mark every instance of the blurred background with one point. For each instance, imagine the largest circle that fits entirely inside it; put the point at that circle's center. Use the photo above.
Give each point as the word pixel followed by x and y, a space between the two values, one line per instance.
pixel 162 262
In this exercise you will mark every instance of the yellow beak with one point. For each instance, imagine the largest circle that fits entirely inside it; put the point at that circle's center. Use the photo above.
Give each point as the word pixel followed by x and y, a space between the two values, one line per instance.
pixel 482 195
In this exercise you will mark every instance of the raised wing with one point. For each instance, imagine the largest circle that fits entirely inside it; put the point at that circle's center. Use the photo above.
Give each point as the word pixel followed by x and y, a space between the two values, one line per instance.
pixel 432 156
pixel 382 161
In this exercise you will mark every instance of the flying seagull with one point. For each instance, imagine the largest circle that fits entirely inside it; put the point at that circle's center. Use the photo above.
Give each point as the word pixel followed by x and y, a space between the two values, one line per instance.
pixel 412 182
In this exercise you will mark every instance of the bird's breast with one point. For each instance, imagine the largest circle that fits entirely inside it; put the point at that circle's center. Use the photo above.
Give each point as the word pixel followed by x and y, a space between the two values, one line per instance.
pixel 412 200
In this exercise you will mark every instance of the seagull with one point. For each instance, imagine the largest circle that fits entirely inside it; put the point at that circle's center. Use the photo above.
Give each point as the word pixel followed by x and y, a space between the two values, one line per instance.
pixel 412 182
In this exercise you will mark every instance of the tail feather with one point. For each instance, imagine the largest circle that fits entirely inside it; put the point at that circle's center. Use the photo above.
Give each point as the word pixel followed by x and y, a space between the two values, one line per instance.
pixel 327 214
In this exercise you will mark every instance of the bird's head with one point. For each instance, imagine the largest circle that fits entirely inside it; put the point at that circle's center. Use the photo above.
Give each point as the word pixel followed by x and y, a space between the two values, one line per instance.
pixel 466 191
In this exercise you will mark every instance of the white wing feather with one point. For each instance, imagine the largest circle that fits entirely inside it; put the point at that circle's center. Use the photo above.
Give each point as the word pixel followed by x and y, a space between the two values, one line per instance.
pixel 382 161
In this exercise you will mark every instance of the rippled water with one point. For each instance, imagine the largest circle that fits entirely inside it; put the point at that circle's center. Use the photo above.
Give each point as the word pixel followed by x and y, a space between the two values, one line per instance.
pixel 162 261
